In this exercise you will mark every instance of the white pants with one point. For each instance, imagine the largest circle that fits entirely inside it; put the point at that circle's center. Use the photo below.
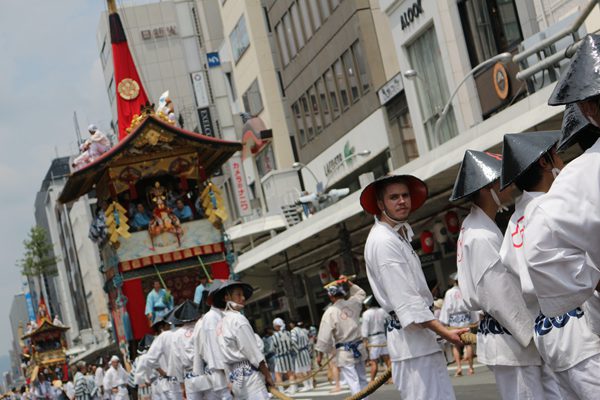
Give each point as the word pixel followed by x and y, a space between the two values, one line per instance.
pixel 424 377
pixel 248 384
pixel 122 394
pixel 552 389
pixel 221 394
pixel 518 383
pixel 581 382
pixel 355 376
pixel 158 392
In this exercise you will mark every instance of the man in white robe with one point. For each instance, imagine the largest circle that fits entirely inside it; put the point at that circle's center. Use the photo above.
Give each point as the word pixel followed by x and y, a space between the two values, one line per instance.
pixel 456 314
pixel 339 331
pixel 373 332
pixel 156 360
pixel 115 380
pixel 396 277
pixel 240 346
pixel 180 361
pixel 208 354
pixel 504 338
pixel 96 145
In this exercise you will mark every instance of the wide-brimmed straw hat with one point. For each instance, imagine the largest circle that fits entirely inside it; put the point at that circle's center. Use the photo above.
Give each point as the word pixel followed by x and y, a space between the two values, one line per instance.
pixel 417 188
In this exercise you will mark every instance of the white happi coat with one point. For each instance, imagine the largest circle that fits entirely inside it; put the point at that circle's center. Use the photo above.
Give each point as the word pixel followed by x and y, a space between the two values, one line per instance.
pixel 116 378
pixel 340 324
pixel 373 325
pixel 562 250
pixel 181 361
pixel 210 349
pixel 505 335
pixel 157 357
pixel 455 312
pixel 565 341
pixel 396 277
pixel 242 355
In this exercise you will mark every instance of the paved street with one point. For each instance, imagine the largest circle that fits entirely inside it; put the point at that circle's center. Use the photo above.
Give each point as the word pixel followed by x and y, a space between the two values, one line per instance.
pixel 480 386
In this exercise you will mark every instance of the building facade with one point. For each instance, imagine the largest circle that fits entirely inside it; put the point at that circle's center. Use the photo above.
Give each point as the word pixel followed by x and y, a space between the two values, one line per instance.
pixel 446 52
pixel 19 317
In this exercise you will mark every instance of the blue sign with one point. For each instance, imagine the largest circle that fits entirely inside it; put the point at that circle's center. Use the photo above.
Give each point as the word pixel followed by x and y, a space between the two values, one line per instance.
pixel 213 59
pixel 30 310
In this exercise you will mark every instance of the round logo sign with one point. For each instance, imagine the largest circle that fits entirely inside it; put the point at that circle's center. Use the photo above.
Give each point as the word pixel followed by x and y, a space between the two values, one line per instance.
pixel 128 89
pixel 501 83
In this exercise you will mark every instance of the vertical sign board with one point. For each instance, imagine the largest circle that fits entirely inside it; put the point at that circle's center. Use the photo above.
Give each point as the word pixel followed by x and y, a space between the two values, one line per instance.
pixel 199 83
pixel 241 192
pixel 206 125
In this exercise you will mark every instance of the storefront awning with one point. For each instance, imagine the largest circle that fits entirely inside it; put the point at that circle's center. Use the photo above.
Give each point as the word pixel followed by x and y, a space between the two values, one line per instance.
pixel 438 168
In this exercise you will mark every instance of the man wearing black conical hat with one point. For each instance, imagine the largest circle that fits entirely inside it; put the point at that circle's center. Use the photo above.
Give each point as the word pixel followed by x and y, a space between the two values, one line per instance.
pixel 396 277
pixel 144 390
pixel 181 359
pixel 207 352
pixel 504 338
pixel 157 359
pixel 530 160
pixel 241 348
pixel 562 250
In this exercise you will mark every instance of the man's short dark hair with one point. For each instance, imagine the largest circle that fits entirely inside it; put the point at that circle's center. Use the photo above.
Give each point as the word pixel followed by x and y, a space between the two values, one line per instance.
pixel 381 186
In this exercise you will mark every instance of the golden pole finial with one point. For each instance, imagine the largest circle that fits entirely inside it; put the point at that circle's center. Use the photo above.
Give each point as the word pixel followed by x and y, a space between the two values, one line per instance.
pixel 112 6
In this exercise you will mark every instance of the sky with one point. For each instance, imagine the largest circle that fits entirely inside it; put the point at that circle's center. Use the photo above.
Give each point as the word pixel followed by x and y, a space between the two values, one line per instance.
pixel 49 68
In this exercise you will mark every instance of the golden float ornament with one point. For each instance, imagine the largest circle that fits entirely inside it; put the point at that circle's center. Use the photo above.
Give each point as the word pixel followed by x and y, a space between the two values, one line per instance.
pixel 128 89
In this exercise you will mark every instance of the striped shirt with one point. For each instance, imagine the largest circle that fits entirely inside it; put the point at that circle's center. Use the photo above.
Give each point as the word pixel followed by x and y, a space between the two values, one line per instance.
pixel 301 345
pixel 85 388
pixel 284 351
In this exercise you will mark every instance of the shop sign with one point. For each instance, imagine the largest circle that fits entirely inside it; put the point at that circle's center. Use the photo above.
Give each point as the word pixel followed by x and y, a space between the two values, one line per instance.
pixel 206 126
pixel 159 32
pixel 412 13
pixel 240 187
pixel 336 162
pixel 199 83
pixel 393 87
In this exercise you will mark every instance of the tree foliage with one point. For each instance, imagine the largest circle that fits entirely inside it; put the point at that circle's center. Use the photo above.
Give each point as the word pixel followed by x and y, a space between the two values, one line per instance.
pixel 38 259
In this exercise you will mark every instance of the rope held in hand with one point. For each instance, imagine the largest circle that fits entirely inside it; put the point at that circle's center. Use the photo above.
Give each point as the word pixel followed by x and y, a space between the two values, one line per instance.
pixel 306 378
pixel 372 386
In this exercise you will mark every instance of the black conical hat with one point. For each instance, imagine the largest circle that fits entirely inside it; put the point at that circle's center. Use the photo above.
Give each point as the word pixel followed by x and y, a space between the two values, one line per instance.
pixel 478 169
pixel 185 312
pixel 574 126
pixel 581 80
pixel 219 288
pixel 522 150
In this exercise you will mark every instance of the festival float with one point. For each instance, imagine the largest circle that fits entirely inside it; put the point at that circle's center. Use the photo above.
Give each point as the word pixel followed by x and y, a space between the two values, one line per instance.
pixel 44 347
pixel 142 184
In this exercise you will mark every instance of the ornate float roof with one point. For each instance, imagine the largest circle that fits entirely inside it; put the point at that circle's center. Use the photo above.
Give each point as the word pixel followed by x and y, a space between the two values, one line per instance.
pixel 152 139
pixel 46 326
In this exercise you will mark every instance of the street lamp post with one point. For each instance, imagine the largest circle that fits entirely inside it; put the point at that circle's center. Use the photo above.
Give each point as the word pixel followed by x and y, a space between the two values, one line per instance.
pixel 502 58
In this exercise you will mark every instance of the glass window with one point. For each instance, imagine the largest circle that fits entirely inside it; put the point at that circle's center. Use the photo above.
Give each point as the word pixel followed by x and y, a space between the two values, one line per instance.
pixel 289 34
pixel 409 142
pixel 299 123
pixel 490 27
pixel 308 120
pixel 341 84
pixel 351 74
pixel 324 101
pixel 252 99
pixel 331 89
pixel 297 25
pixel 361 66
pixel 285 56
pixel 314 10
pixel 425 57
pixel 239 39
pixel 324 9
pixel 111 90
pixel 314 105
pixel 104 53
pixel 306 22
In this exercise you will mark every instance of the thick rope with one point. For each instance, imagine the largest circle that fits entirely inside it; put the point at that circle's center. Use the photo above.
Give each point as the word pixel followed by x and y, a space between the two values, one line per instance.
pixel 306 378
pixel 372 386
pixel 276 393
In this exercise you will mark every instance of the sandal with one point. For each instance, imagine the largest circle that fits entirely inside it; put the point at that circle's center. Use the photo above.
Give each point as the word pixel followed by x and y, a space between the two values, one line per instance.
pixel 470 371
